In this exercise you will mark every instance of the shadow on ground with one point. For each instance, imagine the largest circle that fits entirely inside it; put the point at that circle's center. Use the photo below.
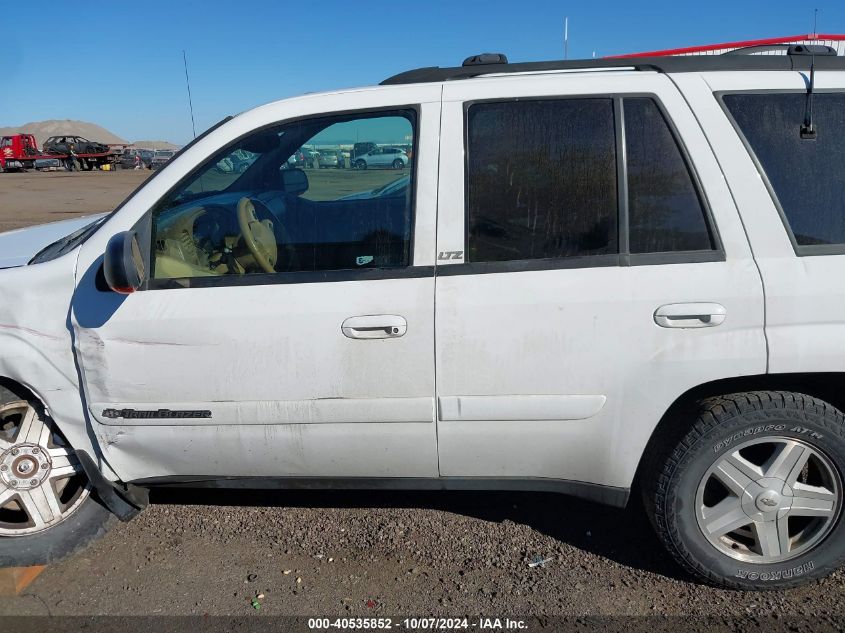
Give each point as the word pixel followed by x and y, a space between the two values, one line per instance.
pixel 621 535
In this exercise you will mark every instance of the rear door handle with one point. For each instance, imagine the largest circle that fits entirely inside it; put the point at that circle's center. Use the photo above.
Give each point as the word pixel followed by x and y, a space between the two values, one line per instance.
pixel 374 326
pixel 688 315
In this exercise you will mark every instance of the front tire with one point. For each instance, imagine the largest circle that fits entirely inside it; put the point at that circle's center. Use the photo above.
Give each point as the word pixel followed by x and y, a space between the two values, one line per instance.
pixel 47 510
pixel 752 496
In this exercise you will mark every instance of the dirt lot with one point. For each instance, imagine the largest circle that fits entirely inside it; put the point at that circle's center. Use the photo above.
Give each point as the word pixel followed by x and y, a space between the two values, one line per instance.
pixel 382 554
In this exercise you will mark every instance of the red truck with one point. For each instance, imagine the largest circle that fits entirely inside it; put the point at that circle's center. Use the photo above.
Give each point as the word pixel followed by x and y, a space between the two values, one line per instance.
pixel 20 151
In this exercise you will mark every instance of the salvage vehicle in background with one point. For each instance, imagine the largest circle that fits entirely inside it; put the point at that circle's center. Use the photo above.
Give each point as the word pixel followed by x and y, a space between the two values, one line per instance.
pixel 161 157
pixel 81 145
pixel 20 152
pixel 127 159
pixel 625 278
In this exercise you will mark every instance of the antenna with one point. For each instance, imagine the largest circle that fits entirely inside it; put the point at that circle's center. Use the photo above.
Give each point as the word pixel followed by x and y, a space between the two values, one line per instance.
pixel 815 23
pixel 566 38
pixel 188 83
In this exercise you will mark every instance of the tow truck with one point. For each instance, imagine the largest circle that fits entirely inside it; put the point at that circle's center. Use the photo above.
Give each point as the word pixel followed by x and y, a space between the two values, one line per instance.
pixel 20 151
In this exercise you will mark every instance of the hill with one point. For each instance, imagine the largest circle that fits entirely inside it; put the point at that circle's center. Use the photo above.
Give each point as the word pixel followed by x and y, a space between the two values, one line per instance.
pixel 44 129
pixel 154 145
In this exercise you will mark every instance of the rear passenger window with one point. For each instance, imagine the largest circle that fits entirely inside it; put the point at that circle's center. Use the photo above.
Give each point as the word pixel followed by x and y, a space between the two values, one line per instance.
pixel 664 211
pixel 541 179
pixel 806 176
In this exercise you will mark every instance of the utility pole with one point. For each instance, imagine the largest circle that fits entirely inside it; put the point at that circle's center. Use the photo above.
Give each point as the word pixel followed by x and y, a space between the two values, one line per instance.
pixel 566 38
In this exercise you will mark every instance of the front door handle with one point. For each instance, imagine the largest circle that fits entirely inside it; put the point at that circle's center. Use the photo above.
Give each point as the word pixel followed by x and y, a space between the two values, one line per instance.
pixel 374 326
pixel 687 315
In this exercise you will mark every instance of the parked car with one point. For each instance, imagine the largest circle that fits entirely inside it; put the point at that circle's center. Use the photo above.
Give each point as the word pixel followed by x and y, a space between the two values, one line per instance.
pixel 235 163
pixel 61 145
pixel 391 157
pixel 626 282
pixel 161 157
pixel 302 158
pixel 330 158
pixel 362 148
pixel 127 159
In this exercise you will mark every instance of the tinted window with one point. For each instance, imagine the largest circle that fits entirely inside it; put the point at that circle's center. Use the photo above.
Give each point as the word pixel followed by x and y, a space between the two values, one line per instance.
pixel 664 210
pixel 806 175
pixel 252 208
pixel 541 179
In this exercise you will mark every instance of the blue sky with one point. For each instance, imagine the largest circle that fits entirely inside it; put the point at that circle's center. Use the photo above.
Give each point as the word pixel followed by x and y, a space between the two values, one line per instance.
pixel 119 63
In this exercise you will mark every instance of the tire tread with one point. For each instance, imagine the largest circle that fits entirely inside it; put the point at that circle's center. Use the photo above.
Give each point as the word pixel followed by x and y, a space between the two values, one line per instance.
pixel 712 413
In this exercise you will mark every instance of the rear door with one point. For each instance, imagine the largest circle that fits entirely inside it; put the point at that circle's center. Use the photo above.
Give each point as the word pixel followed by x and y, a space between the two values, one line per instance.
pixel 591 269
pixel 791 191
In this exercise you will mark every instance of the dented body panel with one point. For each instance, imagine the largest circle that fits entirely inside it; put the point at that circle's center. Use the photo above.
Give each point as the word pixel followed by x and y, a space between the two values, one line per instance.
pixel 36 346
pixel 286 393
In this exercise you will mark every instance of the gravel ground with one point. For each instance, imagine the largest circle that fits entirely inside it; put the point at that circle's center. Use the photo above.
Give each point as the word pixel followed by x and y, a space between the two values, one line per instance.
pixel 379 553
pixel 373 554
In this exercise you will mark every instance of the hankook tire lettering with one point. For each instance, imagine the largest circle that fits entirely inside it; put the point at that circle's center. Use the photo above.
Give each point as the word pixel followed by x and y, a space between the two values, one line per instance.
pixel 782 574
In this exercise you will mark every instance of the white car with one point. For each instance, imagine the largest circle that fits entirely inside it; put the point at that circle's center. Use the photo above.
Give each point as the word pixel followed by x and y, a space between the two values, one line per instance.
pixel 385 157
pixel 605 276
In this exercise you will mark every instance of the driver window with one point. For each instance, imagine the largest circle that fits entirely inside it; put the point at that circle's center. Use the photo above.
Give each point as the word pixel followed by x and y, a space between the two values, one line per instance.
pixel 293 198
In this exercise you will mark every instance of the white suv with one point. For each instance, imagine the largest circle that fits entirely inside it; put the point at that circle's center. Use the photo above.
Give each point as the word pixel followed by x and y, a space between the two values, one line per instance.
pixel 598 278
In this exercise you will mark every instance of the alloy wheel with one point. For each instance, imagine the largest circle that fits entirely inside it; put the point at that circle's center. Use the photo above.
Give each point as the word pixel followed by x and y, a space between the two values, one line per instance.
pixel 769 500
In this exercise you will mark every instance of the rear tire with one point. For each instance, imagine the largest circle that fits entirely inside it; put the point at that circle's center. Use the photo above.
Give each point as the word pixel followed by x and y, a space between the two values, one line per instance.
pixel 360 164
pixel 751 497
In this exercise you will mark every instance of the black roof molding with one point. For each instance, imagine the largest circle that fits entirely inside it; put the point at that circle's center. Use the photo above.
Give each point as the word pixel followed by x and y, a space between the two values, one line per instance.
pixel 486 58
pixel 790 49
pixel 665 64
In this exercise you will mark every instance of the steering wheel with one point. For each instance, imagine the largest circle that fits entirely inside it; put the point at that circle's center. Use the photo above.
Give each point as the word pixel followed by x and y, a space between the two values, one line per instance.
pixel 258 235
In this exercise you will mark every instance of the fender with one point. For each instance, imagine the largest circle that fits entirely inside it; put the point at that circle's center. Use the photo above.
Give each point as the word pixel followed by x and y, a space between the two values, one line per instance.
pixel 29 366
pixel 36 348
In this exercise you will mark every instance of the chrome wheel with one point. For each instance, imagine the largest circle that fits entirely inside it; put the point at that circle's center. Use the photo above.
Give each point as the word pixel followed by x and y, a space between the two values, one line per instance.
pixel 769 500
pixel 41 480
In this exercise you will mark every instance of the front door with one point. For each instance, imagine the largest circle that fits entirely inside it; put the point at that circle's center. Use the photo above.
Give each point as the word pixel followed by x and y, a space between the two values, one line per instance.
pixel 287 326
pixel 591 269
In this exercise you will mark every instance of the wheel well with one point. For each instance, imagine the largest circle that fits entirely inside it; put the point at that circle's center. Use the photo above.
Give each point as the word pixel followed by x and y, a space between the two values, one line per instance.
pixel 11 390
pixel 680 416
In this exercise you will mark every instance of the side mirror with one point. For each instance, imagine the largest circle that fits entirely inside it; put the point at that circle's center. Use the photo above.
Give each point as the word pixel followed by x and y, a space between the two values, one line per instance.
pixel 123 265
pixel 294 181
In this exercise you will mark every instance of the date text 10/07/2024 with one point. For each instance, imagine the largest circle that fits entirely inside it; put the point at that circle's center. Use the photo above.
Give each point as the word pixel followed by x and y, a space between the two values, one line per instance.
pixel 417 624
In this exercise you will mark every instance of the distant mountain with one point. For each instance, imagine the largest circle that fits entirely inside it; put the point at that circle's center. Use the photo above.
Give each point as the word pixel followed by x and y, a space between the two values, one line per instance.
pixel 154 145
pixel 45 129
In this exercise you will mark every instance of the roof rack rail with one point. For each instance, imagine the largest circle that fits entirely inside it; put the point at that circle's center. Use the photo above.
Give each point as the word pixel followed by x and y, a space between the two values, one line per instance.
pixel 797 60
pixel 791 49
